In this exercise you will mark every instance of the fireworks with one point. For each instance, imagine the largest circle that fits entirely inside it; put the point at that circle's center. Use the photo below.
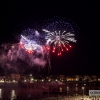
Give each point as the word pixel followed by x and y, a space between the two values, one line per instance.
pixel 34 48
pixel 31 41
pixel 29 45
pixel 57 38
pixel 29 52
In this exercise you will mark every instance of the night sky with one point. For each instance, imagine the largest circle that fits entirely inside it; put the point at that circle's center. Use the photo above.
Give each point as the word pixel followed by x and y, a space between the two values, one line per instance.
pixel 83 58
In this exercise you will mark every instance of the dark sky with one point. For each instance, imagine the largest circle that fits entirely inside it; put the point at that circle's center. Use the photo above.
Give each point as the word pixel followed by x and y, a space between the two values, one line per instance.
pixel 83 58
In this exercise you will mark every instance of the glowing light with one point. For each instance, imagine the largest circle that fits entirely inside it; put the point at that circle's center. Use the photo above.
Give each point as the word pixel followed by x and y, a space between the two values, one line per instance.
pixel 13 94
pixel 24 80
pixel 54 48
pixel 70 46
pixel 67 49
pixel 42 80
pixel 49 80
pixel 1 81
pixel 53 51
pixel 14 81
pixel 0 93
pixel 32 79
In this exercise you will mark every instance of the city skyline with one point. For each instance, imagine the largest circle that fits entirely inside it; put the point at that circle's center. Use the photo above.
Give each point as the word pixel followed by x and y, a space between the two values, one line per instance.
pixel 83 57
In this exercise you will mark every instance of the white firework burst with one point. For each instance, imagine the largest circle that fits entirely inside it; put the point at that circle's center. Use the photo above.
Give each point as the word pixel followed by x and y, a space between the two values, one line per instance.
pixel 59 40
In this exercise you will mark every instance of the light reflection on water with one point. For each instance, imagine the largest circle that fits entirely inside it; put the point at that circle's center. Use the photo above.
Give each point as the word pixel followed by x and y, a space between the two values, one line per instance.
pixel 0 93
pixel 13 94
pixel 7 93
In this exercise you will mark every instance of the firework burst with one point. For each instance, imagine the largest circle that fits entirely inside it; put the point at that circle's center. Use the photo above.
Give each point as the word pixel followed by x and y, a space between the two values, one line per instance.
pixel 59 37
